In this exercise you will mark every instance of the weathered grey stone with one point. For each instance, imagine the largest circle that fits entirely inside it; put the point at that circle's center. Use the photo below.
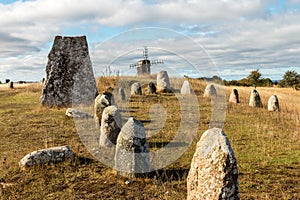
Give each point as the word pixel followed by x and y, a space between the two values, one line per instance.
pixel 136 89
pixel 122 94
pixel 151 88
pixel 11 84
pixel 213 173
pixel 71 112
pixel 111 124
pixel 163 81
pixel 255 99
pixel 234 96
pixel 210 90
pixel 273 103
pixel 69 74
pixel 50 155
pixel 186 88
pixel 132 150
pixel 101 102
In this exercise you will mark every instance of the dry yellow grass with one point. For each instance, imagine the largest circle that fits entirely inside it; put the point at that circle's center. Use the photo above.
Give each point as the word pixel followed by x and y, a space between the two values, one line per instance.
pixel 266 145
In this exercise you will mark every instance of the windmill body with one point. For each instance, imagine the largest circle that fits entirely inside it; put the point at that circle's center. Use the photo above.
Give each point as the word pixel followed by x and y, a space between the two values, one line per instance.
pixel 144 66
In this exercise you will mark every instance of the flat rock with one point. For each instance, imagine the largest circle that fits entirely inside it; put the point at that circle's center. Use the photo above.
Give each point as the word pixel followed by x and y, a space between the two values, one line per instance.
pixel 273 103
pixel 255 100
pixel 132 150
pixel 43 156
pixel 110 126
pixel 71 112
pixel 69 74
pixel 213 173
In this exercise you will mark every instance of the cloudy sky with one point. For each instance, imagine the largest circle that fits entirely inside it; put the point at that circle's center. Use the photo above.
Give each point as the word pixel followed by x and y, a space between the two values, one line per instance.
pixel 228 38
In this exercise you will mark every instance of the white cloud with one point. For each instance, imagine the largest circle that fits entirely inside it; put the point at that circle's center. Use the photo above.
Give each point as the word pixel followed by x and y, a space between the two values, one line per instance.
pixel 235 33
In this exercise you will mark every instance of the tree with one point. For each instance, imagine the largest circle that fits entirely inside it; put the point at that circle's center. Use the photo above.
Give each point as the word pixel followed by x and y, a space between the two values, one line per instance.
pixel 254 78
pixel 290 79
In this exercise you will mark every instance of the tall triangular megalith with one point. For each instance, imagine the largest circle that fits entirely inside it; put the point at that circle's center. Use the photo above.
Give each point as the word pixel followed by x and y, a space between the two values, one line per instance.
pixel 69 73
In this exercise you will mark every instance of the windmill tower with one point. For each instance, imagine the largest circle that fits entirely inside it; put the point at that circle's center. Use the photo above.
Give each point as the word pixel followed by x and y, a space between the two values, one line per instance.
pixel 143 66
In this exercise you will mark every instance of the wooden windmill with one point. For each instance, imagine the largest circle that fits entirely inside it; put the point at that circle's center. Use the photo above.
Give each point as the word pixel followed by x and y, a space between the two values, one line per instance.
pixel 143 66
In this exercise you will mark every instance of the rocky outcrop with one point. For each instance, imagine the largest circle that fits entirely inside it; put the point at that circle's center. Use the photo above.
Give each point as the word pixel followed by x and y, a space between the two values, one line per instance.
pixel 69 74
pixel 132 150
pixel 111 124
pixel 213 173
pixel 273 103
pixel 50 155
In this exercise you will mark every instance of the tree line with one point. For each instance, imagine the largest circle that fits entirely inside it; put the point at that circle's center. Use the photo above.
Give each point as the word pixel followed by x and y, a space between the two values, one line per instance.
pixel 290 79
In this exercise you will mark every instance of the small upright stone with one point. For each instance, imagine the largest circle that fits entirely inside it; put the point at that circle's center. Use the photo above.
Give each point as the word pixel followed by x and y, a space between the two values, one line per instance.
pixel 43 156
pixel 132 150
pixel 210 90
pixel 110 126
pixel 11 84
pixel 101 102
pixel 186 88
pixel 151 88
pixel 234 96
pixel 136 89
pixel 163 81
pixel 122 94
pixel 273 103
pixel 255 100
pixel 213 173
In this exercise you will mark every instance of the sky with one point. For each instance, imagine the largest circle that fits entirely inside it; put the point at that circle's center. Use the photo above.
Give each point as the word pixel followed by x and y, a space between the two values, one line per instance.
pixel 227 38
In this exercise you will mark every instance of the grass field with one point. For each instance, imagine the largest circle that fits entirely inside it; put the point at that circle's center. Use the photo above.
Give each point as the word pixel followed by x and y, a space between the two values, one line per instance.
pixel 266 145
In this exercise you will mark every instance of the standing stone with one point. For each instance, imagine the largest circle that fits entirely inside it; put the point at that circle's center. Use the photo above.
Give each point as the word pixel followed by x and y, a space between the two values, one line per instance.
pixel 273 103
pixel 163 81
pixel 136 89
pixel 50 155
pixel 69 74
pixel 186 88
pixel 132 150
pixel 110 126
pixel 151 88
pixel 255 99
pixel 213 173
pixel 11 84
pixel 122 94
pixel 210 90
pixel 234 96
pixel 101 102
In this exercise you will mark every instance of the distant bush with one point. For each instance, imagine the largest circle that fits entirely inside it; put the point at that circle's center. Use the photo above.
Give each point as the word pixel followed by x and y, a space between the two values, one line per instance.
pixel 290 79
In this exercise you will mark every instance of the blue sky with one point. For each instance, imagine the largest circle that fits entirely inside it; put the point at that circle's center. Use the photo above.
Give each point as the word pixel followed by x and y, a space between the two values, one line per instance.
pixel 228 38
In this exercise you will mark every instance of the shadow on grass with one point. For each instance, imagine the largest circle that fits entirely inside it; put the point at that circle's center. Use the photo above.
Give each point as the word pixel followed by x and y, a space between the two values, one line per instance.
pixel 166 175
pixel 163 144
